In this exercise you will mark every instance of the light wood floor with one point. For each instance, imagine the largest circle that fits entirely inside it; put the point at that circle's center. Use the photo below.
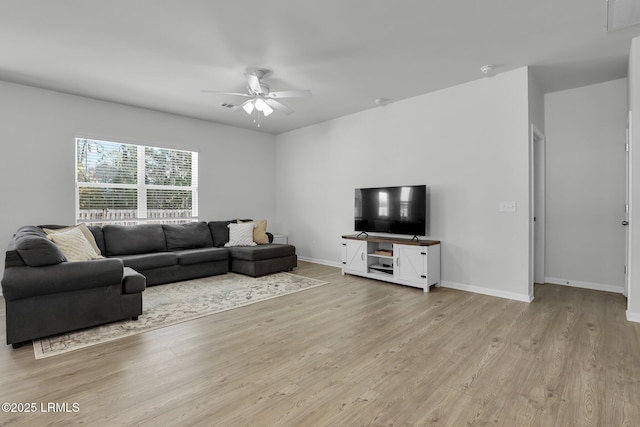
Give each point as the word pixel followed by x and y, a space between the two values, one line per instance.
pixel 350 353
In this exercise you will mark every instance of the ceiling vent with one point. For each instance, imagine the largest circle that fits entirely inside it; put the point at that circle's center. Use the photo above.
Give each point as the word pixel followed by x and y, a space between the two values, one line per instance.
pixel 225 105
pixel 622 14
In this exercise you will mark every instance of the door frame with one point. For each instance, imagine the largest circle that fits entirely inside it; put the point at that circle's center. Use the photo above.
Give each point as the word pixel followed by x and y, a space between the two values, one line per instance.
pixel 537 167
pixel 627 214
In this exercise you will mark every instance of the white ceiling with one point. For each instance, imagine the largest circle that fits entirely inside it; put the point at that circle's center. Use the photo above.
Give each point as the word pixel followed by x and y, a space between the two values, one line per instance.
pixel 159 54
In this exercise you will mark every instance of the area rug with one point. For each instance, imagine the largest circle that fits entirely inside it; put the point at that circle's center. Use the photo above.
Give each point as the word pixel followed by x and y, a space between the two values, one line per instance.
pixel 166 305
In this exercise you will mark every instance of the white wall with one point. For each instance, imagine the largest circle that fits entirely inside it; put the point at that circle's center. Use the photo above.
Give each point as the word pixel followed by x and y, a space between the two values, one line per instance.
pixel 37 130
pixel 633 307
pixel 585 130
pixel 469 143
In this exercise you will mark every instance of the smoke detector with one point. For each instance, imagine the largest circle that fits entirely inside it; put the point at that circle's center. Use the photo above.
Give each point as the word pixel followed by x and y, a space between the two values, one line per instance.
pixel 487 69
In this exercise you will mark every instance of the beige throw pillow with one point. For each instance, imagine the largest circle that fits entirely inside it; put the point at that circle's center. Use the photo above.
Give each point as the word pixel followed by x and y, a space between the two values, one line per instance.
pixel 85 230
pixel 260 232
pixel 74 245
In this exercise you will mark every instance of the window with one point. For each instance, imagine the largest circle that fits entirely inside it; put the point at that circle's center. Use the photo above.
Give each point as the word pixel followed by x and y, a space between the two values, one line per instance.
pixel 130 184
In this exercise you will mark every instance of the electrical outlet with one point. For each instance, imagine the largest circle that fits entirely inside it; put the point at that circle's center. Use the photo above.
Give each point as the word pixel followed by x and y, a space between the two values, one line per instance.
pixel 507 207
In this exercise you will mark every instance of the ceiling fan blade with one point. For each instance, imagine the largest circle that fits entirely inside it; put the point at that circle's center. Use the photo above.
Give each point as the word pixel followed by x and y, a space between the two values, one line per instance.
pixel 228 93
pixel 289 94
pixel 278 106
pixel 254 83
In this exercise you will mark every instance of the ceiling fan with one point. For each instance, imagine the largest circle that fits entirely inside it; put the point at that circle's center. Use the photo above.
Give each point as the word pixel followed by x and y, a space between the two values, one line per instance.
pixel 261 97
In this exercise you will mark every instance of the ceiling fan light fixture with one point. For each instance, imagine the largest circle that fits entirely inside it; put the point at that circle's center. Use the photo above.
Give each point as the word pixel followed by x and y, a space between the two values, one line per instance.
pixel 260 104
pixel 261 99
pixel 248 107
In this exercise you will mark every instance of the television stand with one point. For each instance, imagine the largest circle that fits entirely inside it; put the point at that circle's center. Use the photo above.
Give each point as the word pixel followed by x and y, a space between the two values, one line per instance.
pixel 410 262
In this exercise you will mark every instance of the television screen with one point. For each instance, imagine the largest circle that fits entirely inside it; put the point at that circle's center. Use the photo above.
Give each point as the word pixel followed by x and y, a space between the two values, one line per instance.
pixel 393 210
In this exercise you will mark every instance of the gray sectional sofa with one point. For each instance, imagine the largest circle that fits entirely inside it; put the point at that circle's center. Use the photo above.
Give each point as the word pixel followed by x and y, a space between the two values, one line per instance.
pixel 46 295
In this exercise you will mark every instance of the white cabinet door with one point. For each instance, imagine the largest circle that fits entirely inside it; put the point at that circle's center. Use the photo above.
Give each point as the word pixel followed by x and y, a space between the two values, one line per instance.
pixel 410 264
pixel 353 256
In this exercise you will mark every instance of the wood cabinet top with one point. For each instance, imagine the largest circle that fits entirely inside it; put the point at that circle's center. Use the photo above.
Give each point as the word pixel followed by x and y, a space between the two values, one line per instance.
pixel 397 240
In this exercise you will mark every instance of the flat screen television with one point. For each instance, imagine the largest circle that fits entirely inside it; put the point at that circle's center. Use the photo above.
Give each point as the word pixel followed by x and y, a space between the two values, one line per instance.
pixel 393 210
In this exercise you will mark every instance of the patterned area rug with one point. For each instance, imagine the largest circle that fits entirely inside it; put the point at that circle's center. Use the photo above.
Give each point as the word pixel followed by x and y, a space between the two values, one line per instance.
pixel 173 303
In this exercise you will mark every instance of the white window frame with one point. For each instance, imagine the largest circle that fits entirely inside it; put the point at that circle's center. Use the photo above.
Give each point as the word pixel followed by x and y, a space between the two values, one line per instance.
pixel 141 187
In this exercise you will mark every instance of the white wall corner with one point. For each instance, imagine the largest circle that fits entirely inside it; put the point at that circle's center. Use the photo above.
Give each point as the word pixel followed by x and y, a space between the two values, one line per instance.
pixel 487 291
pixel 633 316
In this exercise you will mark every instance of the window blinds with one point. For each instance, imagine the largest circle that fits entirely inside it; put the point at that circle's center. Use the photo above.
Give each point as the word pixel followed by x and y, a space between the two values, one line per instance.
pixel 130 184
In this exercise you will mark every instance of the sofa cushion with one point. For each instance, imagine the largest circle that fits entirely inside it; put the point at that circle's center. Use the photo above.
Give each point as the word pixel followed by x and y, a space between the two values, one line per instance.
pixel 37 251
pixel 132 281
pixel 261 252
pixel 148 261
pixel 187 236
pixel 25 282
pixel 197 256
pixel 219 232
pixel 98 236
pixel 133 239
pixel 30 230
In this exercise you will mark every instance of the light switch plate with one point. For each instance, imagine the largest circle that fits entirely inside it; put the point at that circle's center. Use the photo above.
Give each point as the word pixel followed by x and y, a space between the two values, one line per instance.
pixel 507 207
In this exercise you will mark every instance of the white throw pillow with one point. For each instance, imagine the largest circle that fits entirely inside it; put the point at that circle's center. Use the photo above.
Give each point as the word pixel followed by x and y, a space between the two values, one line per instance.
pixel 241 234
pixel 74 245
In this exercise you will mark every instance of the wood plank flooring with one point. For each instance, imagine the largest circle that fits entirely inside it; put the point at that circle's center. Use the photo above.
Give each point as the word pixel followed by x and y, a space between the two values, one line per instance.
pixel 355 352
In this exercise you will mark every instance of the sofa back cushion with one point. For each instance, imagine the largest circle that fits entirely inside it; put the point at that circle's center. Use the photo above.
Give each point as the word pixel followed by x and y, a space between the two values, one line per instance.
pixel 37 251
pixel 133 239
pixel 96 230
pixel 191 235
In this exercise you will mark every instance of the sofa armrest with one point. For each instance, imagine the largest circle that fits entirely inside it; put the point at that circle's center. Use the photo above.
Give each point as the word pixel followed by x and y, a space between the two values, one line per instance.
pixel 25 282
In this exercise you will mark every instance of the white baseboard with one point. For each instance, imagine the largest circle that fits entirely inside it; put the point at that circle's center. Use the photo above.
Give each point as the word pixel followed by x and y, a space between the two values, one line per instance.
pixel 320 261
pixel 633 317
pixel 444 284
pixel 584 285
pixel 487 291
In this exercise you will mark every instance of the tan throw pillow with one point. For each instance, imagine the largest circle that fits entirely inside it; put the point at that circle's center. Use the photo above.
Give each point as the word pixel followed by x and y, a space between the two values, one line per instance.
pixel 260 232
pixel 74 245
pixel 85 230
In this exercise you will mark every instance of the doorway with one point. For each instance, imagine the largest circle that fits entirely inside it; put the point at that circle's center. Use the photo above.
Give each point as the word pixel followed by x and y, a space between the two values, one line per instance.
pixel 537 209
